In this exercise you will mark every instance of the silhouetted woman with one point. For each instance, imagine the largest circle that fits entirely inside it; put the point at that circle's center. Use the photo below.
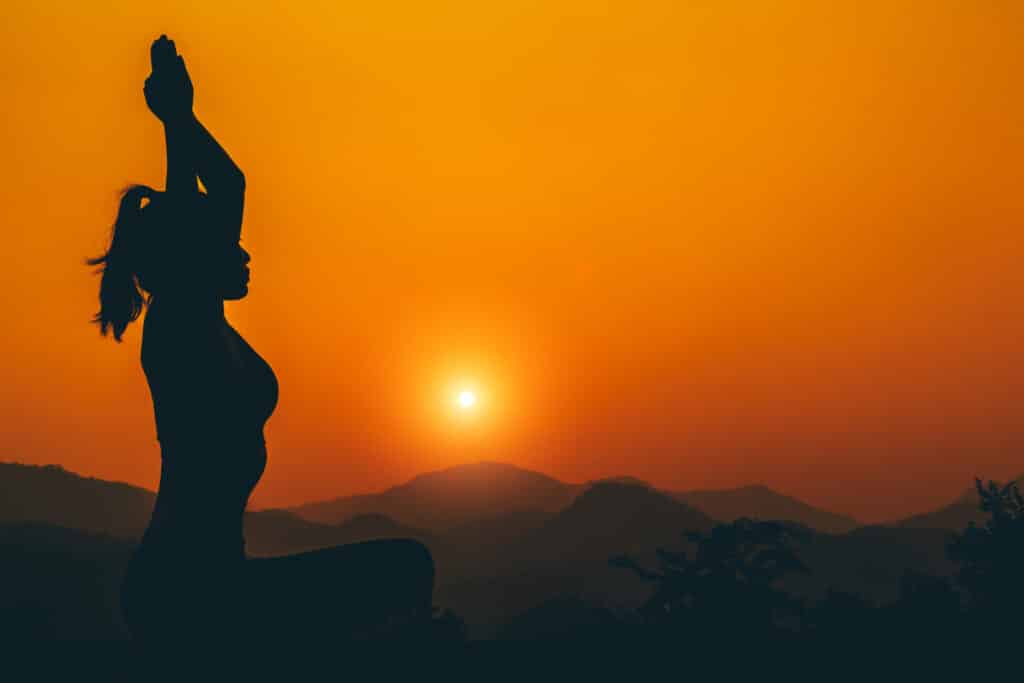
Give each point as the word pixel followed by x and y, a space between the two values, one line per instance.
pixel 212 393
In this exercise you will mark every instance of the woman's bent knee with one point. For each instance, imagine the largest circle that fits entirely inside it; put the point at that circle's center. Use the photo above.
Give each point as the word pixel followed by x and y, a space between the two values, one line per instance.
pixel 418 555
pixel 413 567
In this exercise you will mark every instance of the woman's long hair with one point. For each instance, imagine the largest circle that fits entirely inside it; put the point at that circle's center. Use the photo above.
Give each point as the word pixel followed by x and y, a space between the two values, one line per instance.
pixel 121 295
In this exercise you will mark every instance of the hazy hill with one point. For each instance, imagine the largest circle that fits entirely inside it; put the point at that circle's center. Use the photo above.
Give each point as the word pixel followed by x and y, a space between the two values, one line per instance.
pixel 761 502
pixel 954 516
pixel 485 541
pixel 52 495
pixel 277 532
pixel 452 497
pixel 610 519
pixel 567 555
pixel 869 561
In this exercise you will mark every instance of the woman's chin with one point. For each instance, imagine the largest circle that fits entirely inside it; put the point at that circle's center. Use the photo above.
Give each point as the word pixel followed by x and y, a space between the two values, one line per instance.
pixel 236 293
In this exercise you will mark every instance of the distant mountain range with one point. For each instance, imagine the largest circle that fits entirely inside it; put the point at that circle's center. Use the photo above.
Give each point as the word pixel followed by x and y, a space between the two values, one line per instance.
pixel 761 502
pixel 466 500
pixel 465 493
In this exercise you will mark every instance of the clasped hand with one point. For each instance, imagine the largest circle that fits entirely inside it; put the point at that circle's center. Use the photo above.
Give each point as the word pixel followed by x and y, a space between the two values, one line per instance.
pixel 168 88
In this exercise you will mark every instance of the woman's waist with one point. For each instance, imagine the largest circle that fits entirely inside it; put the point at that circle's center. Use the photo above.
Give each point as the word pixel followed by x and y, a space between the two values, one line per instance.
pixel 216 439
pixel 198 460
pixel 210 501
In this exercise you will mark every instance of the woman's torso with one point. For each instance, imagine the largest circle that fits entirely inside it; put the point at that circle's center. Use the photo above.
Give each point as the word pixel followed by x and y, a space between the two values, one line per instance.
pixel 212 394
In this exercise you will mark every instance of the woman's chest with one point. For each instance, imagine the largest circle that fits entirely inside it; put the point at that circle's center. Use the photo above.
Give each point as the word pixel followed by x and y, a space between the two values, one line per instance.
pixel 252 376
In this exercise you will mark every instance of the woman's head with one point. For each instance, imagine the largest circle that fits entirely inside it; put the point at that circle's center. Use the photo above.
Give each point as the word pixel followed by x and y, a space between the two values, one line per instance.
pixel 170 250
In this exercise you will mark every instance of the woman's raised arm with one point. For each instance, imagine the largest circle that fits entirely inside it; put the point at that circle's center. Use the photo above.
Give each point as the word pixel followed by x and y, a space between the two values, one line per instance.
pixel 191 149
pixel 223 179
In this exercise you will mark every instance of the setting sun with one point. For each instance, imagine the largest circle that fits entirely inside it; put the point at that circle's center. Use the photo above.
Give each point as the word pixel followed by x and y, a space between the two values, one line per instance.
pixel 467 399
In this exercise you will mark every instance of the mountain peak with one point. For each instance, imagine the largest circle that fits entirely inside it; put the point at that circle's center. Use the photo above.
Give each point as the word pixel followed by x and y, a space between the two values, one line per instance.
pixel 624 479
pixel 479 469
pixel 761 502
pixel 453 496
pixel 611 499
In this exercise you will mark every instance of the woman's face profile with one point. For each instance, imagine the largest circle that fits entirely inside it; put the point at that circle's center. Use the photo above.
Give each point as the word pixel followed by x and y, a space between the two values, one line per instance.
pixel 214 268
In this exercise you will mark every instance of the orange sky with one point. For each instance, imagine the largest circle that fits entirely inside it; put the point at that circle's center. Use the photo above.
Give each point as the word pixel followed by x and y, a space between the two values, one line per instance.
pixel 702 243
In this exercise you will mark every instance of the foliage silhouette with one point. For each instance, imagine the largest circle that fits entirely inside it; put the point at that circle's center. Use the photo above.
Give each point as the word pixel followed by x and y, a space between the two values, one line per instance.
pixel 730 584
pixel 727 585
pixel 991 556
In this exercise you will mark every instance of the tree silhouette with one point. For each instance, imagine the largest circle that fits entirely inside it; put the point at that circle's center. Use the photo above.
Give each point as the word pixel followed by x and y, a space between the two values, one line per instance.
pixel 991 557
pixel 843 616
pixel 729 586
pixel 928 610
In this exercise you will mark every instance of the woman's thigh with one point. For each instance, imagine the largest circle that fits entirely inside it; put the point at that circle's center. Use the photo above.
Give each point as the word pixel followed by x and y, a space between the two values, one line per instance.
pixel 343 587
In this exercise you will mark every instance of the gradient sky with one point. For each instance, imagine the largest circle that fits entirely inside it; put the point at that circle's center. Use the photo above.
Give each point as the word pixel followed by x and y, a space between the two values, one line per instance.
pixel 705 243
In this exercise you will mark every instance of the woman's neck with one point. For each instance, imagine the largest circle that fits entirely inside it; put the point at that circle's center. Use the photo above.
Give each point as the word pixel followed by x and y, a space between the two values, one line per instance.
pixel 195 308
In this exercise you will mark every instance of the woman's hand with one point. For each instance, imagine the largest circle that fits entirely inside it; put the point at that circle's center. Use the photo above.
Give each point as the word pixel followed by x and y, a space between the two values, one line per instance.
pixel 168 89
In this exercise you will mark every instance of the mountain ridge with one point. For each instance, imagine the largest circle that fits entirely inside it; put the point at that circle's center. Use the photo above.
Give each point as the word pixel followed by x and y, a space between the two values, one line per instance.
pixel 727 505
pixel 956 515
pixel 29 492
pixel 720 504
